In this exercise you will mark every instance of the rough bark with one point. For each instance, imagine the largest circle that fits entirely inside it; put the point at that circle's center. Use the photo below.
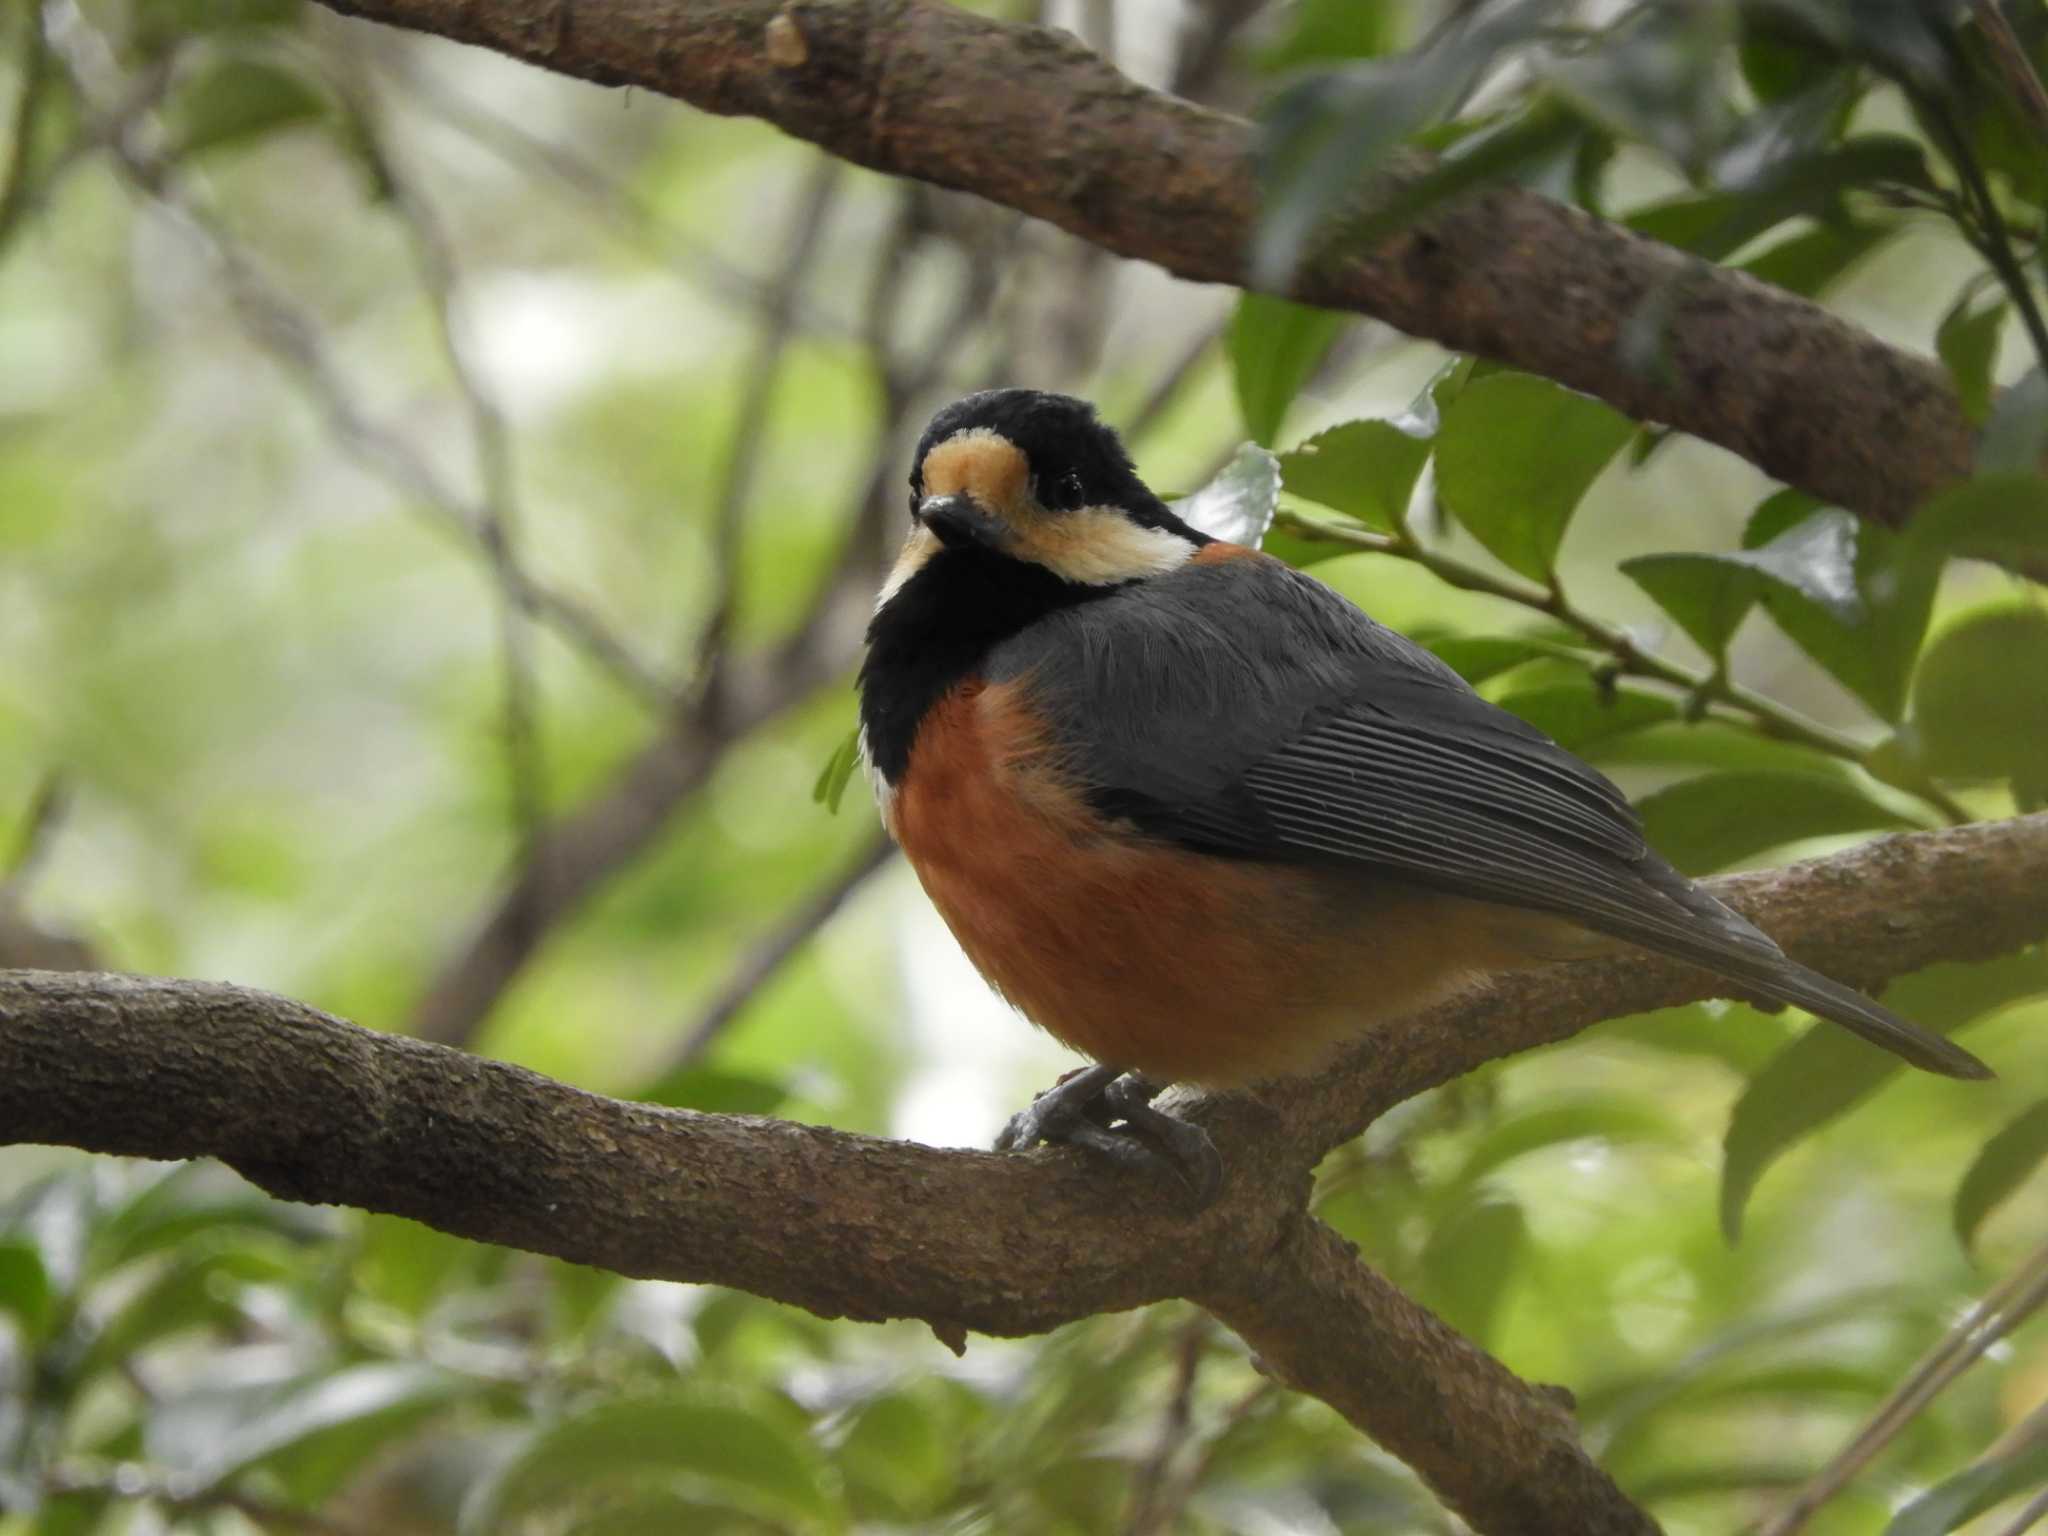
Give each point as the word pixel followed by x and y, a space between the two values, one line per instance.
pixel 315 1109
pixel 1030 118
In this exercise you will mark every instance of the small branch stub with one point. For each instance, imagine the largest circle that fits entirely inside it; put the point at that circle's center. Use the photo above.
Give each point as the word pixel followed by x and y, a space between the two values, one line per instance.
pixel 783 41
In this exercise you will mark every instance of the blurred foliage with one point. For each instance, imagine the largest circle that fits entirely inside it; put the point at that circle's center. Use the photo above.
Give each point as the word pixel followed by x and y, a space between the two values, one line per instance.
pixel 297 718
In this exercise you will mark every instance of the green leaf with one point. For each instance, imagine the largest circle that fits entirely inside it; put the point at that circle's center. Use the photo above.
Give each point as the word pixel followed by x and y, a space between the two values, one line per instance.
pixel 1323 31
pixel 1721 819
pixel 1716 225
pixel 1654 78
pixel 2016 436
pixel 1813 261
pixel 1871 656
pixel 1968 343
pixel 1510 151
pixel 1951 1505
pixel 2000 517
pixel 235 100
pixel 838 770
pixel 2001 1167
pixel 895 1455
pixel 677 1439
pixel 1237 506
pixel 1827 1071
pixel 1274 347
pixel 1472 1257
pixel 1710 594
pixel 1477 658
pixel 1977 700
pixel 1580 717
pixel 1365 469
pixel 1515 456
pixel 312 1431
pixel 25 1288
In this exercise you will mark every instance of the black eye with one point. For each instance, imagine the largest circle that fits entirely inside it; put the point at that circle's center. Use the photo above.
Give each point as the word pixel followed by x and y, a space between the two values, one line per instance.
pixel 1066 493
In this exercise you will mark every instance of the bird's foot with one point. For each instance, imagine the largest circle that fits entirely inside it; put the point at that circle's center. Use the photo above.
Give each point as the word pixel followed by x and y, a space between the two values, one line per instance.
pixel 1110 1112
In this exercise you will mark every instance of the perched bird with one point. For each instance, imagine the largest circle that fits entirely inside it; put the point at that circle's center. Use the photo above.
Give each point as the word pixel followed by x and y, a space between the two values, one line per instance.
pixel 1201 818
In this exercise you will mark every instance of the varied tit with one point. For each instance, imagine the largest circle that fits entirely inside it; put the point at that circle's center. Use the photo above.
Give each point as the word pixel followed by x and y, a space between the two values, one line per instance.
pixel 1201 818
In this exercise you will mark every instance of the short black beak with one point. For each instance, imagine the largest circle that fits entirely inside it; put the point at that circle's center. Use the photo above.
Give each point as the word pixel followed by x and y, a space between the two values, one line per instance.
pixel 960 521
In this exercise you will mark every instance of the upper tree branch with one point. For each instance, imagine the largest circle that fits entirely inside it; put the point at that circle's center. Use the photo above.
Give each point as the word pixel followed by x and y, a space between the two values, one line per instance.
pixel 1030 118
pixel 315 1109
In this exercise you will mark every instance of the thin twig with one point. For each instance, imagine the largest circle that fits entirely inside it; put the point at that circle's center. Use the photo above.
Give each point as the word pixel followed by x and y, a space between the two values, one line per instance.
pixel 629 215
pixel 778 327
pixel 1997 246
pixel 760 964
pixel 2004 1307
pixel 1183 1488
pixel 2029 1517
pixel 1172 380
pixel 1148 1510
pixel 2010 55
pixel 290 336
pixel 1713 690
pixel 495 514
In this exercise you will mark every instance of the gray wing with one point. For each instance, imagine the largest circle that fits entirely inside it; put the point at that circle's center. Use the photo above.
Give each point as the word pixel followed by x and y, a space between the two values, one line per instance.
pixel 1244 709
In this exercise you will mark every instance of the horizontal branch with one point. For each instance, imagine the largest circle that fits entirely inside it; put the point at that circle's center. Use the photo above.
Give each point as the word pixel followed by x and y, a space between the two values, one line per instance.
pixel 1030 118
pixel 315 1109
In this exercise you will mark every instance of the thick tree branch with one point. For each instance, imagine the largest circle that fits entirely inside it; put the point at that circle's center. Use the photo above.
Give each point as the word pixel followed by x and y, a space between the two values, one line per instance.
pixel 315 1109
pixel 1030 118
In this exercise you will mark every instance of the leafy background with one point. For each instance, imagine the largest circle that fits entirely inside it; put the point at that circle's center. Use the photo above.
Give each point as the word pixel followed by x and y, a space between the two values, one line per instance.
pixel 313 338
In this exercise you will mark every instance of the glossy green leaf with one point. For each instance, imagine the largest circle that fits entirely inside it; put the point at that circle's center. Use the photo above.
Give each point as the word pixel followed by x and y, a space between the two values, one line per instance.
pixel 1968 344
pixel 1977 700
pixel 1828 1071
pixel 837 772
pixel 1999 517
pixel 748 1457
pixel 235 101
pixel 1237 506
pixel 1473 1255
pixel 1515 456
pixel 1364 469
pixel 1274 348
pixel 1710 594
pixel 2001 1167
pixel 1722 819
pixel 1873 655
pixel 1953 1504
pixel 1582 717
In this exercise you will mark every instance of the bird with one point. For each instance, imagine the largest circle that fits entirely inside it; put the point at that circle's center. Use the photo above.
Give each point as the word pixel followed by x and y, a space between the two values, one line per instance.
pixel 1199 817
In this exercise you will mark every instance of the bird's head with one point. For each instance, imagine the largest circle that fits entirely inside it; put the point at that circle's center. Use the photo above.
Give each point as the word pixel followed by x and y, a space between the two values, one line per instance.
pixel 1018 475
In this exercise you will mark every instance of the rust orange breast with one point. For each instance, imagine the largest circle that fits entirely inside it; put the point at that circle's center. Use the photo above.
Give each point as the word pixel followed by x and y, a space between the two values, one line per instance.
pixel 1139 953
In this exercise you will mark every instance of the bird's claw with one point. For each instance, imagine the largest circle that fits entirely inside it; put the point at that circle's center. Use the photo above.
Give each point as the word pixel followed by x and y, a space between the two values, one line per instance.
pixel 1110 1112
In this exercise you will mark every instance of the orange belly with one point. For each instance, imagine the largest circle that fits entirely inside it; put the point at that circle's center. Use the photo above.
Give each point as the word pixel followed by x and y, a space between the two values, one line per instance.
pixel 1142 955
